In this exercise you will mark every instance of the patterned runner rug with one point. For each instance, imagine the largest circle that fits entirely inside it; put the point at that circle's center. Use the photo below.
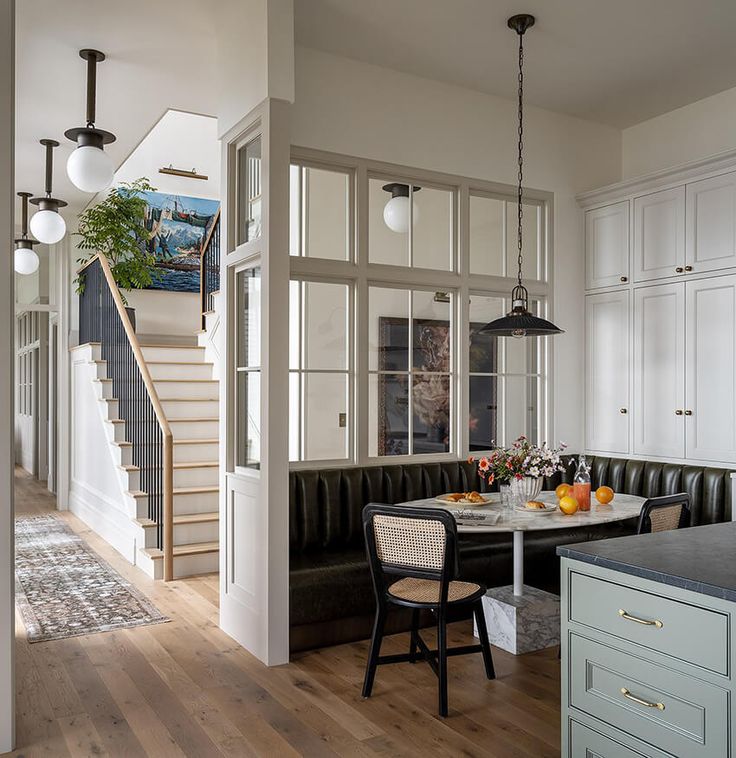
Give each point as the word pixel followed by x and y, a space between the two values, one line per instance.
pixel 63 589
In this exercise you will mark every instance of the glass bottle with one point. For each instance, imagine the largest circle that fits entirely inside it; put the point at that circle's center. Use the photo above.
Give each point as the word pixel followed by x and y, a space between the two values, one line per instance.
pixel 581 484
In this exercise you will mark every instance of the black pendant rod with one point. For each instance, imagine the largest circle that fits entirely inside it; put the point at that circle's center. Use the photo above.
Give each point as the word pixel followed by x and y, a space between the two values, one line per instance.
pixel 24 213
pixel 49 144
pixel 93 57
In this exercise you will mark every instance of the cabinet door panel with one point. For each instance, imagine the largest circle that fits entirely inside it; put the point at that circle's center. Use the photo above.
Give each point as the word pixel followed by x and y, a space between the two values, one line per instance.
pixel 711 369
pixel 711 223
pixel 659 367
pixel 607 372
pixel 607 245
pixel 659 234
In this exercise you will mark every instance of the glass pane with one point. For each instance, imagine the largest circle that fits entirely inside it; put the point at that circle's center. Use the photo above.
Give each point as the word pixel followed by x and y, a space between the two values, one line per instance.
pixel 295 320
pixel 249 191
pixel 431 331
pixel 249 317
pixel 325 416
pixel 295 410
pixel 326 210
pixel 431 413
pixel 520 408
pixel 295 210
pixel 433 229
pixel 483 412
pixel 484 348
pixel 486 236
pixel 249 419
pixel 387 245
pixel 388 414
pixel 531 228
pixel 325 325
pixel 388 329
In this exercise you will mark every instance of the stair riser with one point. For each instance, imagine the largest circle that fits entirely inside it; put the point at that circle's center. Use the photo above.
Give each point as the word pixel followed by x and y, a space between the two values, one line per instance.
pixel 116 432
pixel 122 454
pixel 113 409
pixel 196 477
pixel 184 534
pixel 191 409
pixel 184 390
pixel 175 353
pixel 180 371
pixel 131 480
pixel 185 565
pixel 201 502
pixel 205 451
pixel 103 389
pixel 194 430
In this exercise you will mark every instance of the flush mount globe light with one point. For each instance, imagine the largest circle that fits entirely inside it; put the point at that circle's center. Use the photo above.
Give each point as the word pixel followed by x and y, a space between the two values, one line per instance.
pixel 519 321
pixel 25 259
pixel 89 167
pixel 47 224
pixel 396 212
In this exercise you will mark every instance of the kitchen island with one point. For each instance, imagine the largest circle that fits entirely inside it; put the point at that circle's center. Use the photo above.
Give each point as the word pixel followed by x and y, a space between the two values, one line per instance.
pixel 648 645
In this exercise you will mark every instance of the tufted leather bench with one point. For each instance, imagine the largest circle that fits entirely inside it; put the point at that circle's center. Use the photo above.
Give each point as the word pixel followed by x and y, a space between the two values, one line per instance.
pixel 331 598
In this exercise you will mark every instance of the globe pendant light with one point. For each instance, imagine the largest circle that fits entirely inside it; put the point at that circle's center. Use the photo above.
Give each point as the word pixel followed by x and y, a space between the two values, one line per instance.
pixel 396 211
pixel 47 224
pixel 89 167
pixel 25 259
pixel 519 321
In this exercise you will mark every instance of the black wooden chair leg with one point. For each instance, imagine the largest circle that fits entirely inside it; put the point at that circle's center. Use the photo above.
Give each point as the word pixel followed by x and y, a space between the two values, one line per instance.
pixel 480 620
pixel 375 649
pixel 414 632
pixel 442 659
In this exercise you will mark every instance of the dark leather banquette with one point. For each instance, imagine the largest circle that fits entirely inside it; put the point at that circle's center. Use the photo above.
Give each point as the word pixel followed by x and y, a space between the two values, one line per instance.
pixel 331 598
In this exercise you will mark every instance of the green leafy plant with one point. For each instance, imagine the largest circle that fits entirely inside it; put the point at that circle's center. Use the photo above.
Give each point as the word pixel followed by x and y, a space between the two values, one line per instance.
pixel 116 228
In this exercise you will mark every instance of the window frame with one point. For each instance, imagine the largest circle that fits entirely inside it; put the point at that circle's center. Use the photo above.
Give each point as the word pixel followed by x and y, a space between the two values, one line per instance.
pixel 360 274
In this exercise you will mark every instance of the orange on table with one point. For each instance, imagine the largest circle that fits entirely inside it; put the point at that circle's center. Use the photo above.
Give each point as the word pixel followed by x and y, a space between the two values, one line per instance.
pixel 561 490
pixel 604 495
pixel 568 505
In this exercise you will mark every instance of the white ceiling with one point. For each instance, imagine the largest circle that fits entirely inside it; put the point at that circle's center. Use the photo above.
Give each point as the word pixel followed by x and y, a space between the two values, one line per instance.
pixel 159 56
pixel 614 61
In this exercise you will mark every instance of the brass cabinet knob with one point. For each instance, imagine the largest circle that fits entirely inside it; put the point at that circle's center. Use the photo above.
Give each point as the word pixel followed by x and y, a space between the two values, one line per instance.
pixel 623 410
pixel 688 413
pixel 624 279
pixel 678 412
pixel 688 268
pixel 679 270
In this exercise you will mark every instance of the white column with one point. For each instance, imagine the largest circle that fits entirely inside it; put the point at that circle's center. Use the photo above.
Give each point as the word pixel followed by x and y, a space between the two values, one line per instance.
pixel 518 563
pixel 7 319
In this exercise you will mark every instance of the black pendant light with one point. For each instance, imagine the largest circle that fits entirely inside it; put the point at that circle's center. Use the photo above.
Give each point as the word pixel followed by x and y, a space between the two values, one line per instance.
pixel 48 225
pixel 519 321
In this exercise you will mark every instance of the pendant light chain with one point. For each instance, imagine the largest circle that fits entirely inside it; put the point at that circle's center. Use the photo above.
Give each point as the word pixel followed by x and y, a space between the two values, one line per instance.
pixel 521 151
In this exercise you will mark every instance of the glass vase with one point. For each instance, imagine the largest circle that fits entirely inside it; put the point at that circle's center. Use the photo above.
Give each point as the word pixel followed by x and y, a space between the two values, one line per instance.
pixel 525 489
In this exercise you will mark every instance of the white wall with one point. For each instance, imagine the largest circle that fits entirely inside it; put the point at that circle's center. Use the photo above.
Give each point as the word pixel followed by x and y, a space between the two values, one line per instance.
pixel 358 109
pixel 694 131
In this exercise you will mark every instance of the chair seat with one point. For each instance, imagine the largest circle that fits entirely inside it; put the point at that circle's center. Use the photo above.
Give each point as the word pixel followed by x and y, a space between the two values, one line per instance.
pixel 428 591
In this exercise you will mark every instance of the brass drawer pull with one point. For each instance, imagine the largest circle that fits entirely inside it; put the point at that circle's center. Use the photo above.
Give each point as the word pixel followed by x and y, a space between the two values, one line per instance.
pixel 645 703
pixel 645 622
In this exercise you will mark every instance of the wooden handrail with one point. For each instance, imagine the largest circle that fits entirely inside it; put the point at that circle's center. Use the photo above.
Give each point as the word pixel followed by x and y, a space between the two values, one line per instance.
pixel 168 452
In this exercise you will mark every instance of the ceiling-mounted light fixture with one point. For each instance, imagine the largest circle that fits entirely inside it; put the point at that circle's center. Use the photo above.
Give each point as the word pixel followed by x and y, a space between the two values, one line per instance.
pixel 519 321
pixel 89 167
pixel 396 212
pixel 25 259
pixel 47 224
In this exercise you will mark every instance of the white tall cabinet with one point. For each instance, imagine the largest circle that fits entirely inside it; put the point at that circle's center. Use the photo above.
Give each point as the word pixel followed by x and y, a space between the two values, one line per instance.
pixel 660 365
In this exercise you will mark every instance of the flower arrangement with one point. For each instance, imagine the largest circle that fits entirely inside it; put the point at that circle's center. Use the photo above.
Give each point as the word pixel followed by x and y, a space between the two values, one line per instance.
pixel 520 460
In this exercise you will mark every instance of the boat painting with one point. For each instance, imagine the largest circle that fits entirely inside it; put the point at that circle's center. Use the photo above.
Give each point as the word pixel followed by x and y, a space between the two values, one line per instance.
pixel 178 227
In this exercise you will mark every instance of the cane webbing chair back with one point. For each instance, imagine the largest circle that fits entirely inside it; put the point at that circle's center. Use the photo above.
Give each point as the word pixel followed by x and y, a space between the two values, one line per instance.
pixel 661 514
pixel 418 543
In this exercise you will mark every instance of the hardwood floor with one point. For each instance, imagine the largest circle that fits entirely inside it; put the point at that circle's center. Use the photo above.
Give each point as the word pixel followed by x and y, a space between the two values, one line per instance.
pixel 186 689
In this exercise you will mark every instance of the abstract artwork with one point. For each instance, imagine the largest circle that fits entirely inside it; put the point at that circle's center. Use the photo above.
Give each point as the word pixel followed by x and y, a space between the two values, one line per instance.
pixel 179 227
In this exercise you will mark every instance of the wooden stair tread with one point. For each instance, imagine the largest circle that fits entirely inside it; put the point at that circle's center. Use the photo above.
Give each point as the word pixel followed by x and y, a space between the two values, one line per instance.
pixel 213 440
pixel 188 400
pixel 197 464
pixel 186 518
pixel 187 347
pixel 195 490
pixel 197 418
pixel 196 548
pixel 178 363
pixel 188 381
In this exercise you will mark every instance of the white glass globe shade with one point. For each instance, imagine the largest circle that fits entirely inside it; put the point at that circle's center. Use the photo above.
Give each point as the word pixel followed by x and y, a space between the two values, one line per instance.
pixel 396 214
pixel 90 169
pixel 25 260
pixel 48 227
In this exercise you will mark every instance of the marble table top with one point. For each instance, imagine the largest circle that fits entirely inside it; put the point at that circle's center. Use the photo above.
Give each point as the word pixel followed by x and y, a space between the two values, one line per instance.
pixel 622 507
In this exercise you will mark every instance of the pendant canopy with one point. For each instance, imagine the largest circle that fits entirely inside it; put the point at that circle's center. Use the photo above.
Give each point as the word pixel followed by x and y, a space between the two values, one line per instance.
pixel 519 321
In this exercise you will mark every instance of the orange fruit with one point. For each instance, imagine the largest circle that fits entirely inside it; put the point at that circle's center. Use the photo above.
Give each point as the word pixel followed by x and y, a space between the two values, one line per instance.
pixel 561 490
pixel 604 495
pixel 568 505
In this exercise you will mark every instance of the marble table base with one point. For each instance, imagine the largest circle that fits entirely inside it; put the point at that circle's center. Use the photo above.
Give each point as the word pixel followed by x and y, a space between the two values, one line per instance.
pixel 522 623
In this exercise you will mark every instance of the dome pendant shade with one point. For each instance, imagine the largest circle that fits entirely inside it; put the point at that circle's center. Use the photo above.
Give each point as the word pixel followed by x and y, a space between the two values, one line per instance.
pixel 25 259
pixel 47 225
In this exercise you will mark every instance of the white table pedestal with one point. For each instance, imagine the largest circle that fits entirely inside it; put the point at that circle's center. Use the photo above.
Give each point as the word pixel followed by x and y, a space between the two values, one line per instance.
pixel 522 623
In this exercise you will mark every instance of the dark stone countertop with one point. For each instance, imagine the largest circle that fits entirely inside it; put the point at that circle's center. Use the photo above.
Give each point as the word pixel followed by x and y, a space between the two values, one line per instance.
pixel 701 559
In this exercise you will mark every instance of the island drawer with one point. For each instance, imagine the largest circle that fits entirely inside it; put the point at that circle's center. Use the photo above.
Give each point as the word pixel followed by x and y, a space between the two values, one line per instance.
pixel 687 632
pixel 588 743
pixel 677 713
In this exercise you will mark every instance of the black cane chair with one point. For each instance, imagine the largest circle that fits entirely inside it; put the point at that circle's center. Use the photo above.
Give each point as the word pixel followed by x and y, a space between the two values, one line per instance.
pixel 413 557
pixel 660 514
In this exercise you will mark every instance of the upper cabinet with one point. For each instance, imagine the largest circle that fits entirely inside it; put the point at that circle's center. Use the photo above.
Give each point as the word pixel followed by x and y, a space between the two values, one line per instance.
pixel 711 223
pixel 659 235
pixel 607 245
